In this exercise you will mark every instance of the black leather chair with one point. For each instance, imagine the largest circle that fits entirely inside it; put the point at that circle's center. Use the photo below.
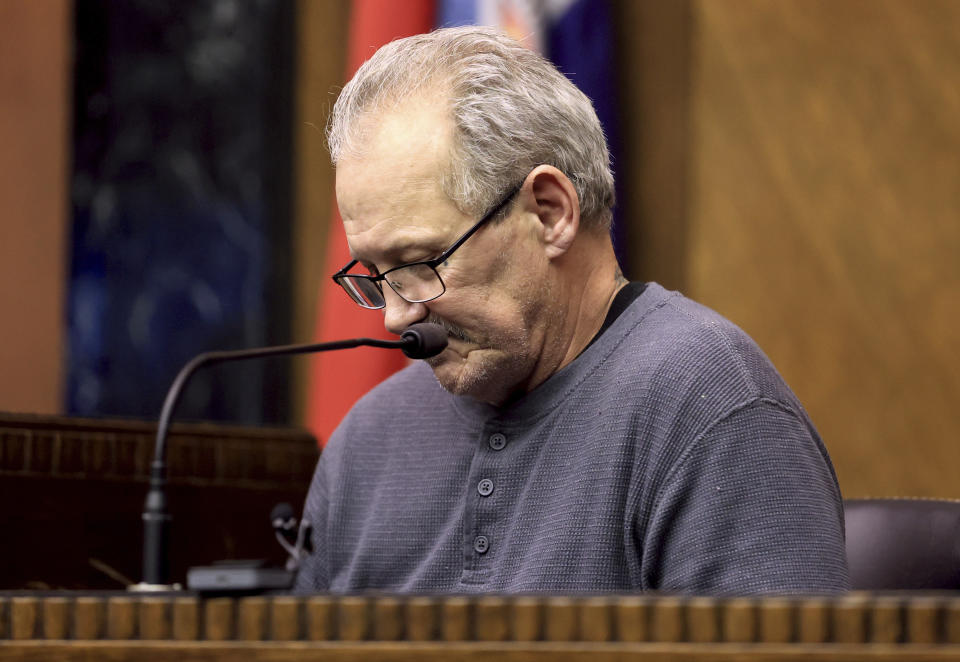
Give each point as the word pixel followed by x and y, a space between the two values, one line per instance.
pixel 903 544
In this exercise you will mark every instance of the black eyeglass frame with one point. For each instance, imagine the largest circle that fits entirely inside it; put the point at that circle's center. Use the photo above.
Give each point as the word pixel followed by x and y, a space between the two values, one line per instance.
pixel 433 264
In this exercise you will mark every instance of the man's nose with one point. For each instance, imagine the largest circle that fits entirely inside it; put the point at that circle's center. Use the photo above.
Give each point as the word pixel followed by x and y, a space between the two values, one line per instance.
pixel 398 313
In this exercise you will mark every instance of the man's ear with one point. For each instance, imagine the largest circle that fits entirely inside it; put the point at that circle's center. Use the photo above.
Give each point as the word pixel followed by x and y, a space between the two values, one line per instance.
pixel 555 202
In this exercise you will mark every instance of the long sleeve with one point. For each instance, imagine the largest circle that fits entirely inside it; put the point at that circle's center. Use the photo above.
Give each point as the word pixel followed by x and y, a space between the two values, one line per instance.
pixel 313 575
pixel 751 506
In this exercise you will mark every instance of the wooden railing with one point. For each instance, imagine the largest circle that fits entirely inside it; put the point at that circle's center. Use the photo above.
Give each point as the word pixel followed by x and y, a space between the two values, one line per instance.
pixel 119 627
pixel 73 489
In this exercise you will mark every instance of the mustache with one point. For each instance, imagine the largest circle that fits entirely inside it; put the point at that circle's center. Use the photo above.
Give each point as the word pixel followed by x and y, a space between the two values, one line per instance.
pixel 451 329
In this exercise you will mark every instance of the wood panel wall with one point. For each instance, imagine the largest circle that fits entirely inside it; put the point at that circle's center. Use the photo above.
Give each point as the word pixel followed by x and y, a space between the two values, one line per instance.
pixel 34 160
pixel 821 159
pixel 320 67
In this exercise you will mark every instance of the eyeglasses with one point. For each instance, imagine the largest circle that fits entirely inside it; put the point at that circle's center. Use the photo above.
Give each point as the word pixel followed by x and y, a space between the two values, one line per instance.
pixel 415 282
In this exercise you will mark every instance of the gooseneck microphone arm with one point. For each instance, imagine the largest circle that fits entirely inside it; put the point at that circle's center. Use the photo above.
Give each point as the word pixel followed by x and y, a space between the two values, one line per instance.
pixel 418 341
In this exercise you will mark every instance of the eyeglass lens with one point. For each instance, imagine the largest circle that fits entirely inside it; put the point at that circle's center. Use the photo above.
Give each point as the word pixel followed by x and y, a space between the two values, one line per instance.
pixel 414 283
pixel 363 291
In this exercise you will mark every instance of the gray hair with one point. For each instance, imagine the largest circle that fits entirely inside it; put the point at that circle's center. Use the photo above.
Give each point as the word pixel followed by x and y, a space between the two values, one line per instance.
pixel 512 110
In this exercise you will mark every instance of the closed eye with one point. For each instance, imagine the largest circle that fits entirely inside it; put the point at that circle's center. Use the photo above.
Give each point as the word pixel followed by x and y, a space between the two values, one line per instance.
pixel 371 269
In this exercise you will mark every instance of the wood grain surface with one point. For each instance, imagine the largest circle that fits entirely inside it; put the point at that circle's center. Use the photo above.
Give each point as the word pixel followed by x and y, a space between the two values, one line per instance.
pixel 321 48
pixel 114 627
pixel 795 165
pixel 85 480
pixel 35 114
pixel 858 618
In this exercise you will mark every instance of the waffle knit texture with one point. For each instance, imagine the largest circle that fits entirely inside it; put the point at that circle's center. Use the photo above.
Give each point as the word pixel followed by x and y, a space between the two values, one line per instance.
pixel 668 456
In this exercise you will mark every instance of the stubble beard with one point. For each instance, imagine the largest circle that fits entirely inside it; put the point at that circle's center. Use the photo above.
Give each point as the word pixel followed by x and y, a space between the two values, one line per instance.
pixel 500 367
pixel 491 371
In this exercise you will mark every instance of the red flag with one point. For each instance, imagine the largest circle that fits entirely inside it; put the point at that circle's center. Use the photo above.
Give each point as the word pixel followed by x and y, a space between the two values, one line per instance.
pixel 339 379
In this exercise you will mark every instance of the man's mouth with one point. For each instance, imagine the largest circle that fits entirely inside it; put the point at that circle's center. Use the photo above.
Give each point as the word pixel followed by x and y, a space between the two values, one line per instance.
pixel 457 350
pixel 453 331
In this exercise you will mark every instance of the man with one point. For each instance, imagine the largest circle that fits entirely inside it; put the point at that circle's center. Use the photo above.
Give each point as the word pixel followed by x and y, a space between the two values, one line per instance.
pixel 580 433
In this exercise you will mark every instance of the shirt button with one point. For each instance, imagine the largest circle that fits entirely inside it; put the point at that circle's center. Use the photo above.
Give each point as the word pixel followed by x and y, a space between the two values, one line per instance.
pixel 481 544
pixel 485 487
pixel 497 441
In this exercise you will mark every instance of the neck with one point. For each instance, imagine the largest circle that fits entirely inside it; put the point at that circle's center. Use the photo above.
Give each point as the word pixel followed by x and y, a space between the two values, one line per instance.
pixel 588 281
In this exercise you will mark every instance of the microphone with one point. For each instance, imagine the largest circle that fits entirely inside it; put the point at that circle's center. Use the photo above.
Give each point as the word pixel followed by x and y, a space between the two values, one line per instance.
pixel 418 341
pixel 294 539
pixel 283 521
pixel 423 340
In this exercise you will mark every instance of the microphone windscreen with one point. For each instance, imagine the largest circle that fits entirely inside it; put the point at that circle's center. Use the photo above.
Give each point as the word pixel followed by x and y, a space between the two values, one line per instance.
pixel 423 340
pixel 281 513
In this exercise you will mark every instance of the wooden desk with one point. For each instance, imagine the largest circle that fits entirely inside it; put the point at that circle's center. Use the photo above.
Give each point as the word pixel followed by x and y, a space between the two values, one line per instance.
pixel 72 491
pixel 906 628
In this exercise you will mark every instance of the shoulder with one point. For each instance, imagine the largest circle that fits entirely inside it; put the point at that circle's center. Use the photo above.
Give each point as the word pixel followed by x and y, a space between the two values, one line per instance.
pixel 681 367
pixel 683 345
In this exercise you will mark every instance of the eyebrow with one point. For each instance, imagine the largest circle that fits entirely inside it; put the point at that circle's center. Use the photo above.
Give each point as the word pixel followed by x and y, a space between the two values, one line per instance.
pixel 406 251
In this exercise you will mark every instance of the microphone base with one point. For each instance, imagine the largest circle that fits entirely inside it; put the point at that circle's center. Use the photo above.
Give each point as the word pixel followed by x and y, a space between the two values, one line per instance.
pixel 144 587
pixel 231 577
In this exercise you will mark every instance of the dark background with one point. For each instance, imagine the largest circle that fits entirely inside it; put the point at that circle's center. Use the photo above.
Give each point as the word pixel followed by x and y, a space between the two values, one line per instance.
pixel 181 188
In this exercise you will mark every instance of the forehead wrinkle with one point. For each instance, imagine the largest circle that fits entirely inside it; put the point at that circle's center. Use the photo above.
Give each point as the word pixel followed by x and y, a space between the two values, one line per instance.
pixel 406 240
pixel 401 222
pixel 401 194
pixel 391 195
